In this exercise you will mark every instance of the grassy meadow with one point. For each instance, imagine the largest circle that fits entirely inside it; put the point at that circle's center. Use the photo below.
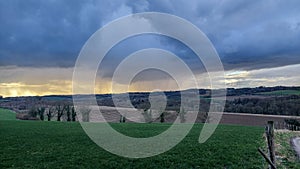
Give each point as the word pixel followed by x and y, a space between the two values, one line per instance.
pixel 7 114
pixel 42 144
pixel 286 157
pixel 281 92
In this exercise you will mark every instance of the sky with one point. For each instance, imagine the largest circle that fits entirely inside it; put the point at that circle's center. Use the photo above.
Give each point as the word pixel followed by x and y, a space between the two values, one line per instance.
pixel 258 42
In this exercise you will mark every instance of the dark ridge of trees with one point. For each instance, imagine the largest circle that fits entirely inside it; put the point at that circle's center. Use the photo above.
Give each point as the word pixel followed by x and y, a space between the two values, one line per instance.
pixel 261 89
pixel 288 105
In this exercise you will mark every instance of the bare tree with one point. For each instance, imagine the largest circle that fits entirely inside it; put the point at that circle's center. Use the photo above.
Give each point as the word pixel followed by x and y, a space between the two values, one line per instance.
pixel 73 114
pixel 162 117
pixel 68 111
pixel 60 112
pixel 49 114
pixel 41 112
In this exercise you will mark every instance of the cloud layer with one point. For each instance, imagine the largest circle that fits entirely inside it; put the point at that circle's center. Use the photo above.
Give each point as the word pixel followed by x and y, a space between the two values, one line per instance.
pixel 253 38
pixel 247 34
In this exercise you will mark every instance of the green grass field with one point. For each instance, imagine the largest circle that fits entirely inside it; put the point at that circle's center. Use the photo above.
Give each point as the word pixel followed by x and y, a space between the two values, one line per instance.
pixel 7 114
pixel 287 157
pixel 37 144
pixel 281 92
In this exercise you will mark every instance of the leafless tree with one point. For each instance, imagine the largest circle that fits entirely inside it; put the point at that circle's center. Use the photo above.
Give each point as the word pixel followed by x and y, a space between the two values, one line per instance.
pixel 41 112
pixel 60 112
pixel 50 113
pixel 73 114
pixel 68 111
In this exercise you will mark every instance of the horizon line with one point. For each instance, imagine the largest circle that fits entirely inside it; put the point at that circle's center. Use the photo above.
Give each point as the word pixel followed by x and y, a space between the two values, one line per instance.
pixel 148 91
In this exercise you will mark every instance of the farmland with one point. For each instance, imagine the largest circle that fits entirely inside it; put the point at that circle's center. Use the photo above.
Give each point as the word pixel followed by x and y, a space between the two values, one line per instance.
pixel 38 144
pixel 63 144
pixel 260 100
pixel 281 92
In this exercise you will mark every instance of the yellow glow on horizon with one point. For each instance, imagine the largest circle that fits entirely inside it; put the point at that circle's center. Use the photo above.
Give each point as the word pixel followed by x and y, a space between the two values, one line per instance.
pixel 21 89
pixel 38 82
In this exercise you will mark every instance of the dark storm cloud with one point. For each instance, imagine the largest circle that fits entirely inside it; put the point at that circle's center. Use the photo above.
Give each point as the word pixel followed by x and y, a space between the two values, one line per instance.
pixel 133 44
pixel 51 32
pixel 247 34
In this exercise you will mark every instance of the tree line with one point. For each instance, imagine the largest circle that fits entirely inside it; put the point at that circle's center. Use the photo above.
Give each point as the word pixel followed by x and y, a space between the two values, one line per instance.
pixel 281 105
pixel 59 111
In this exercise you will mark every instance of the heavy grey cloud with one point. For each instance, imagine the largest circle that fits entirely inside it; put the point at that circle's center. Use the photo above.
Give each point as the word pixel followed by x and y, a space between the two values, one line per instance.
pixel 247 34
pixel 52 32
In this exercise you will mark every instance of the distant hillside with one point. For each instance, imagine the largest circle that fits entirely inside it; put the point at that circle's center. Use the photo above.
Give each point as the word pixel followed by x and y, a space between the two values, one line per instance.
pixel 279 100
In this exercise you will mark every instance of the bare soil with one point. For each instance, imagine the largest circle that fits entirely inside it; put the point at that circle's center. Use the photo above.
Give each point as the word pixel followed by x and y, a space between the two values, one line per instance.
pixel 111 114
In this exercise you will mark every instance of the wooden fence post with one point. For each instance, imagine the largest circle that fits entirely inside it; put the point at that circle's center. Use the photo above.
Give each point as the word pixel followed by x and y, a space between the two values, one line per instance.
pixel 270 139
